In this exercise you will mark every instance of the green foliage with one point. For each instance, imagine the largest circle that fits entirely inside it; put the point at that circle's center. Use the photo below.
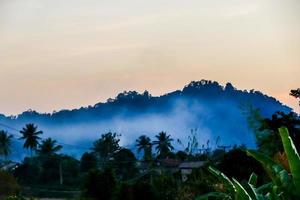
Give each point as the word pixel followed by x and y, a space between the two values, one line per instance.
pixel 5 143
pixel 70 171
pixel 144 143
pixel 88 161
pixel 125 164
pixel 8 185
pixel 296 93
pixel 106 146
pixel 99 185
pixel 228 165
pixel 44 170
pixel 233 189
pixel 30 134
pixel 283 187
pixel 29 171
pixel 48 147
pixel 268 138
pixel 15 198
pixel 181 155
pixel 292 155
pixel 163 144
pixel 165 187
pixel 136 191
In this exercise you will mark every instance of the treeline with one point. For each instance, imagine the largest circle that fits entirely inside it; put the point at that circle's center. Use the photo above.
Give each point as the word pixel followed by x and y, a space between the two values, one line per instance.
pixel 109 171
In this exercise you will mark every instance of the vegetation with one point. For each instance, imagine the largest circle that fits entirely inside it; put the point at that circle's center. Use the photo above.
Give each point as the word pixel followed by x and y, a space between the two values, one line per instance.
pixel 5 143
pixel 296 93
pixel 108 171
pixel 8 185
pixel 163 144
pixel 31 136
pixel 48 147
pixel 282 185
pixel 106 146
pixel 144 143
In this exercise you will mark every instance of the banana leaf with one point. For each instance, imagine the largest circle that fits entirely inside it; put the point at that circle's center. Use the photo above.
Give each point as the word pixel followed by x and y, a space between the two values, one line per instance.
pixel 292 155
pixel 276 172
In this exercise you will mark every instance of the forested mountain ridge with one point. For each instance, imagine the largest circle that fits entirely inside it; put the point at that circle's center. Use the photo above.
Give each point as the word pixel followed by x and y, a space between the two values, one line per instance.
pixel 214 110
pixel 136 102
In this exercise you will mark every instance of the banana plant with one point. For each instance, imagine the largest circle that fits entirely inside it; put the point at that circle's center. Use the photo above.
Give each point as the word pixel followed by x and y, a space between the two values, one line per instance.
pixel 235 190
pixel 283 186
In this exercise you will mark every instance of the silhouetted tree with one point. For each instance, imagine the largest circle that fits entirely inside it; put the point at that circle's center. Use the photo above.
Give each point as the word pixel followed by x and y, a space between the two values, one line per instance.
pixel 106 146
pixel 165 187
pixel 88 161
pixel 296 94
pixel 48 147
pixel 5 143
pixel 269 140
pixel 137 191
pixel 241 171
pixel 99 185
pixel 143 143
pixel 8 185
pixel 163 144
pixel 125 164
pixel 30 135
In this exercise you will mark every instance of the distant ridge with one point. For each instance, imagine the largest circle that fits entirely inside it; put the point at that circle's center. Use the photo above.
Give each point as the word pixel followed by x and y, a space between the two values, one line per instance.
pixel 204 89
pixel 213 109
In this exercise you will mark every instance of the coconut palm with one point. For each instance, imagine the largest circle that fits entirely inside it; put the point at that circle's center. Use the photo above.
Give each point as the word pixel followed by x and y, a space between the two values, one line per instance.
pixel 143 143
pixel 163 144
pixel 5 143
pixel 30 134
pixel 48 147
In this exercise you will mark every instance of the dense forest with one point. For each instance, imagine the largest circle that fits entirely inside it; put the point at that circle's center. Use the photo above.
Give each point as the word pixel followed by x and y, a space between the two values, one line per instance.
pixel 216 111
pixel 110 171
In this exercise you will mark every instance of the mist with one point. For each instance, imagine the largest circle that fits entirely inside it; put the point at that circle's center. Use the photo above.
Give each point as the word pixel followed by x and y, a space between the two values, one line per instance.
pixel 206 107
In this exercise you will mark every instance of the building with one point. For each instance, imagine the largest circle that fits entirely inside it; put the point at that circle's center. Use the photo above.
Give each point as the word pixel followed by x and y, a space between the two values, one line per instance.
pixel 186 168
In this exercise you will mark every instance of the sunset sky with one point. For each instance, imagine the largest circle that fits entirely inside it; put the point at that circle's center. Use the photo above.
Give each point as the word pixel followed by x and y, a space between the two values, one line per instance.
pixel 57 54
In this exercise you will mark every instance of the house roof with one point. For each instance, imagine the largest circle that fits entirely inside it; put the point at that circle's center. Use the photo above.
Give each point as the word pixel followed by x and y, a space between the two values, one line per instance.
pixel 168 162
pixel 8 166
pixel 191 165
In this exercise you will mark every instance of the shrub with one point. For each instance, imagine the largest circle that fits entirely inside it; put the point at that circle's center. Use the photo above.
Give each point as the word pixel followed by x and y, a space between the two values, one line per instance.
pixel 99 185
pixel 8 185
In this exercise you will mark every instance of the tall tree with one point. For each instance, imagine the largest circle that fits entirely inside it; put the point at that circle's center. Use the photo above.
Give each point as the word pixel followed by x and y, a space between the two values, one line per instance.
pixel 163 144
pixel 88 161
pixel 5 143
pixel 125 164
pixel 31 134
pixel 296 94
pixel 143 143
pixel 106 146
pixel 48 147
pixel 268 139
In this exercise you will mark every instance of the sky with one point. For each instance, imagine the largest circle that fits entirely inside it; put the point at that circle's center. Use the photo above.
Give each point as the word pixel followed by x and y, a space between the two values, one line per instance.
pixel 63 54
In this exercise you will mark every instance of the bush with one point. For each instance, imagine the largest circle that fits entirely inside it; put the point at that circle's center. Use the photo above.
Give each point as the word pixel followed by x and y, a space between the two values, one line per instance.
pixel 136 191
pixel 99 185
pixel 229 166
pixel 15 198
pixel 8 185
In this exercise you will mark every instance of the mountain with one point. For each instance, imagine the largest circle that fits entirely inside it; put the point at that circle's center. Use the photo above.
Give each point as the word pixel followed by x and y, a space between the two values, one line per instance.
pixel 214 110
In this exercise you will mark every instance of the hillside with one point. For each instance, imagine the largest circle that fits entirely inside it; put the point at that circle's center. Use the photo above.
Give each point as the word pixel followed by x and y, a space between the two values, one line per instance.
pixel 212 109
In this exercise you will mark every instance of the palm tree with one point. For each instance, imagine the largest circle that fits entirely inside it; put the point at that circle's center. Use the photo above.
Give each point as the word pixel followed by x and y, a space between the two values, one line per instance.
pixel 163 144
pixel 144 143
pixel 48 147
pixel 5 143
pixel 30 135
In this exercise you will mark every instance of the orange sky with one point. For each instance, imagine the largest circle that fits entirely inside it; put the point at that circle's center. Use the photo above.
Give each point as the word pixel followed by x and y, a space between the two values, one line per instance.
pixel 58 54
